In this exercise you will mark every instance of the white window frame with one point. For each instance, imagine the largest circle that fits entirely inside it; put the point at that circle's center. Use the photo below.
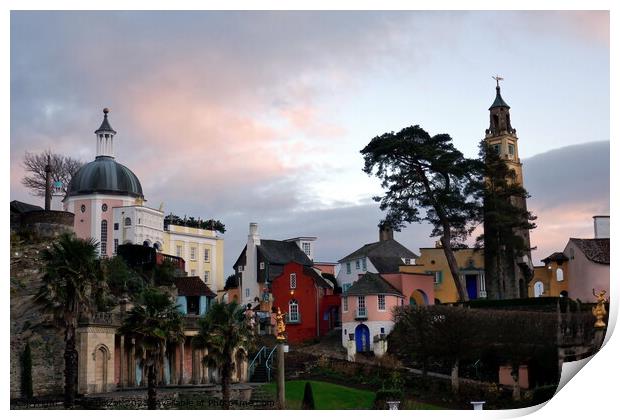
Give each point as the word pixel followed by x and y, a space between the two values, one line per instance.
pixel 358 264
pixel 192 253
pixel 362 311
pixel 206 255
pixel 380 299
pixel 364 265
pixel 261 265
pixel 207 275
pixel 180 251
pixel 293 281
pixel 348 265
pixel 293 310
pixel 247 292
pixel 345 304
pixel 559 274
pixel 305 247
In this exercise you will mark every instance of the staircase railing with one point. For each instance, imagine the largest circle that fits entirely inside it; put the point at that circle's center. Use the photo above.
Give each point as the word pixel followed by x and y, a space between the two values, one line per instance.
pixel 257 360
pixel 269 362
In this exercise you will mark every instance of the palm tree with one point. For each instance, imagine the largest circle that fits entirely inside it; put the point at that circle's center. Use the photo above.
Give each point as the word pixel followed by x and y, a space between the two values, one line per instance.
pixel 154 322
pixel 223 330
pixel 69 290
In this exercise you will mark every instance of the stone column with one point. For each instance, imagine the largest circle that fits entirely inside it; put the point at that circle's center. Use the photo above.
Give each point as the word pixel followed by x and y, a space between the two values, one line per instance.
pixel 132 363
pixel 123 376
pixel 280 388
pixel 182 363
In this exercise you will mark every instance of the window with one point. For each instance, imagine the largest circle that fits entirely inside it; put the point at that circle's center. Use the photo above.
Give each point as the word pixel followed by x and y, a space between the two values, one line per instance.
pixel 240 268
pixel 261 265
pixel 382 330
pixel 104 237
pixel 192 254
pixel 293 281
pixel 193 305
pixel 104 207
pixel 345 287
pixel 407 261
pixel 348 268
pixel 206 277
pixel 559 274
pixel 206 255
pixel 381 302
pixel 115 226
pixel 496 148
pixel 438 276
pixel 179 250
pixel 115 246
pixel 357 264
pixel 193 273
pixel 539 289
pixel 82 208
pixel 247 292
pixel 293 311
pixel 305 246
pixel 361 306
pixel 127 221
pixel 345 304
pixel 364 264
pixel 511 149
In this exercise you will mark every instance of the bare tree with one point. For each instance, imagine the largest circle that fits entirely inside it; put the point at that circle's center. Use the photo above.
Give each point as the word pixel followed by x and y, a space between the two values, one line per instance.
pixel 62 169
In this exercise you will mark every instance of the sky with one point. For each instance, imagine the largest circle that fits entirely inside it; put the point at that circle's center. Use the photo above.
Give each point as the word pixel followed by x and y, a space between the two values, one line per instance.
pixel 260 116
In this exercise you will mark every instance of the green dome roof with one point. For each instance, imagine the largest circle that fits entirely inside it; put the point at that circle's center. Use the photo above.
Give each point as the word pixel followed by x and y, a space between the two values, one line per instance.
pixel 105 176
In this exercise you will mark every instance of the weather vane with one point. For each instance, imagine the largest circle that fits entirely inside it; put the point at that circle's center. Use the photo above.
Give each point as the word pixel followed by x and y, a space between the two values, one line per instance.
pixel 497 79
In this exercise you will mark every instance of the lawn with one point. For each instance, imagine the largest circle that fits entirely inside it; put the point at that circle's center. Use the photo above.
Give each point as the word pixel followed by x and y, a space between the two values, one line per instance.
pixel 326 396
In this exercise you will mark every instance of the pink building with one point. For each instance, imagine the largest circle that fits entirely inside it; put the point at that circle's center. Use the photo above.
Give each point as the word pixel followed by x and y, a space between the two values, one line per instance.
pixel 367 305
pixel 588 261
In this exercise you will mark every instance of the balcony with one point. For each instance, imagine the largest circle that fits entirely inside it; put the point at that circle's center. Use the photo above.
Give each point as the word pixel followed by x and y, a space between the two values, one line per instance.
pixel 361 314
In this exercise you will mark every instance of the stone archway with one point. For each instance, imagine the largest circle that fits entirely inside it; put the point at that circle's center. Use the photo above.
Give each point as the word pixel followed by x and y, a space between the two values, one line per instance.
pixel 101 356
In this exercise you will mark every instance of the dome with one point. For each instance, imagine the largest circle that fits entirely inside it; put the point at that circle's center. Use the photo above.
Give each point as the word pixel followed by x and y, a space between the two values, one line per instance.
pixel 105 176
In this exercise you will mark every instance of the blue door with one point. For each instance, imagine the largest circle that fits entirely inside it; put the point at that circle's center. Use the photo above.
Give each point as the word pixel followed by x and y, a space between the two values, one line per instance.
pixel 362 338
pixel 471 282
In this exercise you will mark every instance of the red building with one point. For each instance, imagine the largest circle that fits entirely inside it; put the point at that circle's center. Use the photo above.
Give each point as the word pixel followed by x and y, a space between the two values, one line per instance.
pixel 308 299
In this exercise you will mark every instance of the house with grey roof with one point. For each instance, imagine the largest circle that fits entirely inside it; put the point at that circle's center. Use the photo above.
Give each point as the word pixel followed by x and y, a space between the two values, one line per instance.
pixel 384 256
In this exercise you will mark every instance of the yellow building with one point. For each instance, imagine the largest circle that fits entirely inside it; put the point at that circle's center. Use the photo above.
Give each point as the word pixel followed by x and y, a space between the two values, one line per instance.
pixel 202 250
pixel 471 268
pixel 551 279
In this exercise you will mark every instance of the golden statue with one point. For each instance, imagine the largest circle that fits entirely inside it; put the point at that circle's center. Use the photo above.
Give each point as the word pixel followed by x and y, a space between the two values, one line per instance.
pixel 599 310
pixel 280 327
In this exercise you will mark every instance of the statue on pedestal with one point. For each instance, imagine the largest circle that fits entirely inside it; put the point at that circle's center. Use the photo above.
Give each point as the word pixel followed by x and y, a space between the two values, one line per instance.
pixel 280 326
pixel 599 310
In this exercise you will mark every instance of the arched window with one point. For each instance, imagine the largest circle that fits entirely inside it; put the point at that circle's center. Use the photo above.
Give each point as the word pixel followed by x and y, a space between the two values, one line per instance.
pixel 127 221
pixel 104 237
pixel 539 289
pixel 293 311
pixel 559 274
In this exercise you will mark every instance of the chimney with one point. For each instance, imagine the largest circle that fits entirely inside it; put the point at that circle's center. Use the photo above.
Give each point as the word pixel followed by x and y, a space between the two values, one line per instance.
pixel 385 232
pixel 253 237
pixel 601 226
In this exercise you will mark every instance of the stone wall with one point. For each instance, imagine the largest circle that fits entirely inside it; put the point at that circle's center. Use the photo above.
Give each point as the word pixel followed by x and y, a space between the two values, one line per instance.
pixel 47 224
pixel 29 325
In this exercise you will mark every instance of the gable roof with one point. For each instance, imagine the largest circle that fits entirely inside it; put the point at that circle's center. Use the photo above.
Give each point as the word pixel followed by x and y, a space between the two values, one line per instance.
pixel 318 279
pixel 192 286
pixel 21 207
pixel 282 252
pixel 556 256
pixel 386 255
pixel 596 250
pixel 372 284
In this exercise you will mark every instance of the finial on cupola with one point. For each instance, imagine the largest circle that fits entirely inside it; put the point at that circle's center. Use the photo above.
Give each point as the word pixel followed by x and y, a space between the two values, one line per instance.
pixel 105 135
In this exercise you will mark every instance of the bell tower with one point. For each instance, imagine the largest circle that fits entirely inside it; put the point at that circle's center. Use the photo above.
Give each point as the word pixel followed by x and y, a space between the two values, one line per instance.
pixel 501 136
pixel 507 273
pixel 105 137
